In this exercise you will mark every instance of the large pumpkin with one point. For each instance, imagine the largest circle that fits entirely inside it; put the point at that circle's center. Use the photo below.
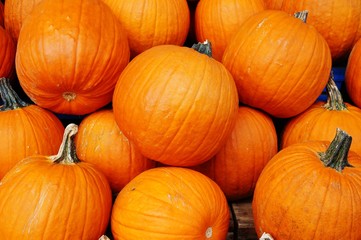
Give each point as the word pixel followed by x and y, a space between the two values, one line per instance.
pixel 100 142
pixel 310 190
pixel 70 54
pixel 55 197
pixel 150 23
pixel 7 54
pixel 279 63
pixel 25 129
pixel 177 105
pixel 170 203
pixel 217 21
pixel 353 74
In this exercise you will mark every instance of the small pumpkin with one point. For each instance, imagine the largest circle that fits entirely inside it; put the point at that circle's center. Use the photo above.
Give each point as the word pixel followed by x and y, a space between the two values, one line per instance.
pixel 70 54
pixel 308 186
pixel 100 142
pixel 7 54
pixel 55 197
pixel 280 64
pixel 170 203
pixel 176 104
pixel 26 129
pixel 353 75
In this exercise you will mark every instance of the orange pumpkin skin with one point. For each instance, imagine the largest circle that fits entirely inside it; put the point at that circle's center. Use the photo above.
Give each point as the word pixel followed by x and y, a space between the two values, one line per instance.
pixel 336 20
pixel 170 203
pixel 82 53
pixel 43 199
pixel 267 59
pixel 237 166
pixel 353 75
pixel 218 21
pixel 7 54
pixel 176 105
pixel 155 22
pixel 296 194
pixel 100 142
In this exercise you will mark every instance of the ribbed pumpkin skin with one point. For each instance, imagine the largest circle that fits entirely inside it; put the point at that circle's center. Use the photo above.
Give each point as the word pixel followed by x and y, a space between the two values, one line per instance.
pixel 297 197
pixel 237 166
pixel 70 55
pixel 150 23
pixel 353 75
pixel 15 12
pixel 319 123
pixel 54 201
pixel 336 20
pixel 218 21
pixel 170 203
pixel 100 142
pixel 279 64
pixel 7 54
pixel 176 105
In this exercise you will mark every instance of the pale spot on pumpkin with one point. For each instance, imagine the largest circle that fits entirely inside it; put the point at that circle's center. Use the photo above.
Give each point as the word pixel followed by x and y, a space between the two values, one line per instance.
pixel 209 232
pixel 69 96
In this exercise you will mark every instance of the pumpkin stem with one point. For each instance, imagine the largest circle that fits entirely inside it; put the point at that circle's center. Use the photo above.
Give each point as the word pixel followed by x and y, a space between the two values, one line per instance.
pixel 302 15
pixel 10 98
pixel 205 47
pixel 67 153
pixel 334 100
pixel 337 153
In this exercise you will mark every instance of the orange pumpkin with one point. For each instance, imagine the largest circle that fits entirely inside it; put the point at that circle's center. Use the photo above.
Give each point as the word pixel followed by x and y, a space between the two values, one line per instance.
pixel 7 54
pixel 55 197
pixel 70 54
pixel 26 129
pixel 170 203
pixel 177 105
pixel 353 74
pixel 150 23
pixel 100 142
pixel 217 21
pixel 267 58
pixel 236 167
pixel 308 186
pixel 320 121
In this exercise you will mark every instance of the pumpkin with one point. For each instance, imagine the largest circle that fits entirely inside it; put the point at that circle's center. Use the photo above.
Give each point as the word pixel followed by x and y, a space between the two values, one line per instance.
pixel 70 54
pixel 169 203
pixel 353 75
pixel 310 190
pixel 217 21
pixel 15 12
pixel 237 166
pixel 336 20
pixel 26 129
pixel 7 54
pixel 176 104
pixel 149 23
pixel 100 142
pixel 280 64
pixel 320 121
pixel 55 197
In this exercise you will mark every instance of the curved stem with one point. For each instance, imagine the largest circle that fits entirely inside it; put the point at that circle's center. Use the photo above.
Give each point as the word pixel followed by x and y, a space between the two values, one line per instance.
pixel 334 100
pixel 205 48
pixel 10 98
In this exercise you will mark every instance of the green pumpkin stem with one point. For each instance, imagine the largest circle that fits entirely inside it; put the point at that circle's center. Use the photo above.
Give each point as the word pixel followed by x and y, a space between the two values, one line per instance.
pixel 67 153
pixel 205 48
pixel 302 15
pixel 337 153
pixel 334 99
pixel 10 98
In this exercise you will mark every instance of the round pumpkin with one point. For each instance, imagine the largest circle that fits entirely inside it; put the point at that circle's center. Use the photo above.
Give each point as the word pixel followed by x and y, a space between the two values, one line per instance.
pixel 177 105
pixel 310 190
pixel 70 54
pixel 26 129
pixel 237 166
pixel 100 142
pixel 150 23
pixel 217 21
pixel 55 197
pixel 320 121
pixel 280 64
pixel 7 54
pixel 353 74
pixel 170 203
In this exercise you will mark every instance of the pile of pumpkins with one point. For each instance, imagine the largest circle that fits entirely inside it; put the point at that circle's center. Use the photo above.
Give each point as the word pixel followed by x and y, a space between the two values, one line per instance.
pixel 182 107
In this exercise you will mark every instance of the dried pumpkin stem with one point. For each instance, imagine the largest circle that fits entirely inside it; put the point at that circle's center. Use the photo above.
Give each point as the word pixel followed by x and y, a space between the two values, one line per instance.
pixel 302 15
pixel 205 47
pixel 337 153
pixel 67 153
pixel 10 98
pixel 334 100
